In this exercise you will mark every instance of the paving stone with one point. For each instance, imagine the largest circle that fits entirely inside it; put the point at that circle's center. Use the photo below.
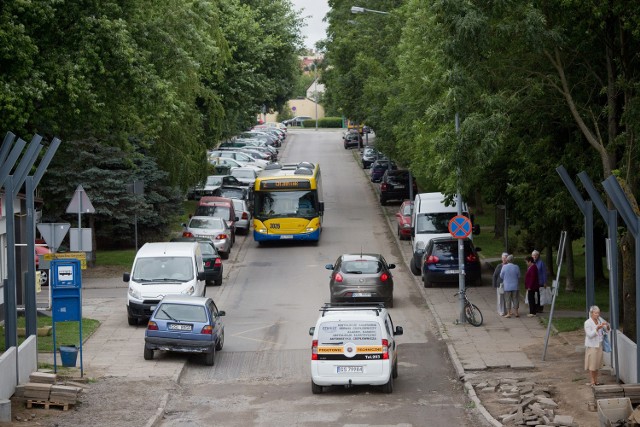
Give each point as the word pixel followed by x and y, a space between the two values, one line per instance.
pixel 509 401
pixel 511 394
pixel 563 420
pixel 488 390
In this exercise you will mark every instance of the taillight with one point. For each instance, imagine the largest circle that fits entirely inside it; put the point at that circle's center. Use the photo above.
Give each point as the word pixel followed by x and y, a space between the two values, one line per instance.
pixel 207 264
pixel 314 350
pixel 245 215
pixel 384 277
pixel 221 236
pixel 432 259
pixel 217 262
pixel 338 277
pixel 207 330
pixel 385 349
pixel 384 186
pixel 472 258
pixel 152 326
pixel 187 234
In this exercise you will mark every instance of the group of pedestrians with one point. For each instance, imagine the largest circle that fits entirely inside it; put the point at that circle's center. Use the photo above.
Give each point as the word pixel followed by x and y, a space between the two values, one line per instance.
pixel 506 280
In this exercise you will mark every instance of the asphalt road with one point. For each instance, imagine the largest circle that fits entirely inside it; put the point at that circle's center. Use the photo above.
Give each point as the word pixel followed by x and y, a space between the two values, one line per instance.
pixel 272 293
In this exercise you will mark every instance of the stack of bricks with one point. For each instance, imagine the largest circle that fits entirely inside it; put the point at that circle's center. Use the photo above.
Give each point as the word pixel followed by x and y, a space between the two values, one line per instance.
pixel 43 390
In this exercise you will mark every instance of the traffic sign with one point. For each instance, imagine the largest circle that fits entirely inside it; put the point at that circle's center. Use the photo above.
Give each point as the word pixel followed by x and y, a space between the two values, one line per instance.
pixel 80 202
pixel 53 233
pixel 460 227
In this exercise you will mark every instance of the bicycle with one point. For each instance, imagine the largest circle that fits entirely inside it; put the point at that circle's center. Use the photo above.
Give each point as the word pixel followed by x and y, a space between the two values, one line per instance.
pixel 471 312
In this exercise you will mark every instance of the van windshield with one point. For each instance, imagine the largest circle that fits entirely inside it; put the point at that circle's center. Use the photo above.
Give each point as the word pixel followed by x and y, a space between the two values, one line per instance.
pixel 356 332
pixel 163 269
pixel 433 223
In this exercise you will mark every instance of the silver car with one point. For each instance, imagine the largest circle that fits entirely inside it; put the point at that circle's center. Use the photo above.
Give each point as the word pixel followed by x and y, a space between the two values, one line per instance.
pixel 211 227
pixel 247 176
pixel 243 224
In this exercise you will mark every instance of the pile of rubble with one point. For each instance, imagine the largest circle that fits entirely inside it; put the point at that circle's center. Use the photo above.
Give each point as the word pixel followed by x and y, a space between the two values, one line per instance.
pixel 526 403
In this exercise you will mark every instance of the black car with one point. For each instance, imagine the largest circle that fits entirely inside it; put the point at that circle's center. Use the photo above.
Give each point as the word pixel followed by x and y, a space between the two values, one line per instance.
pixel 352 140
pixel 369 155
pixel 440 262
pixel 379 167
pixel 213 269
pixel 395 186
pixel 234 192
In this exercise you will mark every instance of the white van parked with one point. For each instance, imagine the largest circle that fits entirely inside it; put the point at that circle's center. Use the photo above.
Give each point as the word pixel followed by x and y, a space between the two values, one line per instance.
pixel 430 219
pixel 160 269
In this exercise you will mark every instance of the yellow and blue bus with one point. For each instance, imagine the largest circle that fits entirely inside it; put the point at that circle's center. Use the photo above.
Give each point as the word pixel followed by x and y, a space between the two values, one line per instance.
pixel 288 203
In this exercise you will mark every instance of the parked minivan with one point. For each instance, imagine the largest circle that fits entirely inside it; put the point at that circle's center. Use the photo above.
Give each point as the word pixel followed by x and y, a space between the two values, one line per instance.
pixel 159 269
pixel 430 218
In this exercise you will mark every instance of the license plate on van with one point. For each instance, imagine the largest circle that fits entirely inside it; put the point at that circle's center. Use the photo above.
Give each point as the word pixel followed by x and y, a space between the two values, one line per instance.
pixel 350 369
pixel 361 294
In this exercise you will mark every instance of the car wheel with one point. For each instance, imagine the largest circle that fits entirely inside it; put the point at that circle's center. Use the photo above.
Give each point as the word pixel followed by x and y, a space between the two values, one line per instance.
pixel 388 387
pixel 210 283
pixel 427 283
pixel 414 269
pixel 382 201
pixel 225 255
pixel 394 371
pixel 209 358
pixel 148 354
pixel 220 343
pixel 315 388
pixel 133 321
pixel 218 282
pixel 389 303
pixel 44 277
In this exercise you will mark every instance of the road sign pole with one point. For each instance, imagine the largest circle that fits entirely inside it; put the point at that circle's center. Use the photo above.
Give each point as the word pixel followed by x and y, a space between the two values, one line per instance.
pixel 460 263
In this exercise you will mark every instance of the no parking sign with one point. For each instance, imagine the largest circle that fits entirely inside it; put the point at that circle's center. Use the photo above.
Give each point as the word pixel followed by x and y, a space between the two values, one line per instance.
pixel 460 227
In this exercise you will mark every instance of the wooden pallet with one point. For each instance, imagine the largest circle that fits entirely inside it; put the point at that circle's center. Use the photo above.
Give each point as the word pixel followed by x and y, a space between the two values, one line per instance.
pixel 47 404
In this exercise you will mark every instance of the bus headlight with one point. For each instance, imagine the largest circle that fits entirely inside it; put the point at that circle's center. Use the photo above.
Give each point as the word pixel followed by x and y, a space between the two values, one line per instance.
pixel 262 230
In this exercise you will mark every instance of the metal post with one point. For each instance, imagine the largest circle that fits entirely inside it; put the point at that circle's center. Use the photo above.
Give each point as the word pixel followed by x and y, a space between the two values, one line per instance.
pixel 460 241
pixel 315 91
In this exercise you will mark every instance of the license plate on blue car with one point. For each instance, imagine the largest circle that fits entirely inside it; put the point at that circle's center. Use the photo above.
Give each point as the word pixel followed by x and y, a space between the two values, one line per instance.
pixel 180 327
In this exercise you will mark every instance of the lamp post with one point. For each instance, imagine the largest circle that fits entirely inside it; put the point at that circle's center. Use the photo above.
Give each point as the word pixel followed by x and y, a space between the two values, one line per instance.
pixel 358 9
pixel 315 90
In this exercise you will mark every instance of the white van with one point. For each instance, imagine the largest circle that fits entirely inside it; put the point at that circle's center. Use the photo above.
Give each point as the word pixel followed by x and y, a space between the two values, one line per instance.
pixel 161 269
pixel 354 345
pixel 430 218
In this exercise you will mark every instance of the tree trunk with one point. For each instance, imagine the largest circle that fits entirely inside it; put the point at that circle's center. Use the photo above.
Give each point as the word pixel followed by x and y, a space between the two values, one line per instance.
pixel 568 258
pixel 627 249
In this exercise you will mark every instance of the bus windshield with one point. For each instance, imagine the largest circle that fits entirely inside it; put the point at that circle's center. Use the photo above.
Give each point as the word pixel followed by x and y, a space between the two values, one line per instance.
pixel 289 204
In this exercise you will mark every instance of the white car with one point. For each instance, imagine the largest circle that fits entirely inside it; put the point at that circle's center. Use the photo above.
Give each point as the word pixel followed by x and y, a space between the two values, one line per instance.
pixel 232 163
pixel 240 157
pixel 211 227
pixel 243 224
pixel 354 345
pixel 247 176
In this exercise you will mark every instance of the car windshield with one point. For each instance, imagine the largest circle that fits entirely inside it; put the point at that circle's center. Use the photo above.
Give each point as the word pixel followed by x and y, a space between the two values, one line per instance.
pixel 449 249
pixel 181 312
pixel 406 211
pixel 243 174
pixel 359 332
pixel 207 248
pixel 286 204
pixel 231 193
pixel 214 211
pixel 433 223
pixel 361 266
pixel 207 222
pixel 214 180
pixel 154 269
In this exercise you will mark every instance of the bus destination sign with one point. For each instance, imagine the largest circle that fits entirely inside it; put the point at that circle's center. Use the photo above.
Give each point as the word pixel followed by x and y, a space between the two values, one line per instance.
pixel 284 184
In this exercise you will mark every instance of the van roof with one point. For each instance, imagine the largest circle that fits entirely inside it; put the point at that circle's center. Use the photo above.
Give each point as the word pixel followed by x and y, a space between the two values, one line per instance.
pixel 434 202
pixel 166 249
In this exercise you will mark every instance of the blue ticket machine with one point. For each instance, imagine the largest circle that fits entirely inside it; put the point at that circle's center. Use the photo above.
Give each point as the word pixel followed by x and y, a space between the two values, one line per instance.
pixel 66 306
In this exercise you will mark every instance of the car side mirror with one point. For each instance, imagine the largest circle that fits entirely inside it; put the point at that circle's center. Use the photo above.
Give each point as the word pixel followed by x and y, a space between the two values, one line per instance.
pixel 312 330
pixel 391 266
pixel 237 219
pixel 476 229
pixel 321 206
pixel 420 246
pixel 328 266
pixel 413 232
pixel 398 331
pixel 222 313
pixel 126 277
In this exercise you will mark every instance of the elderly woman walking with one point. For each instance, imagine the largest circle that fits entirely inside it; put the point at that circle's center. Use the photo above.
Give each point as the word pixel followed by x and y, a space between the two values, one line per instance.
pixel 496 285
pixel 594 334
pixel 510 276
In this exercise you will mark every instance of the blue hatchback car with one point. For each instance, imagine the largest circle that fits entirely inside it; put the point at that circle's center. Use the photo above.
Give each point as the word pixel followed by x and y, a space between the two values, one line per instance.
pixel 440 262
pixel 185 324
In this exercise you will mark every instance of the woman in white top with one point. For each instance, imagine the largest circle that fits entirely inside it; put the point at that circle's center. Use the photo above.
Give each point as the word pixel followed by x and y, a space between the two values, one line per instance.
pixel 593 331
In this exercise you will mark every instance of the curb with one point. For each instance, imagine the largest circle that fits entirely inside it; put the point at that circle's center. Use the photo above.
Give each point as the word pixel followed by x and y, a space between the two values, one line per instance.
pixel 157 417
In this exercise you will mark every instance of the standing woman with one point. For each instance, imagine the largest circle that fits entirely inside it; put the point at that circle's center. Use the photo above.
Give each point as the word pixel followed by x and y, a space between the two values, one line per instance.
pixel 496 285
pixel 510 276
pixel 593 331
pixel 532 286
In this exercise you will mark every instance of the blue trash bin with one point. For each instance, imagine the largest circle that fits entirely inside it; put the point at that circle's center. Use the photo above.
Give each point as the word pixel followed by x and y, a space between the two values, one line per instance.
pixel 69 355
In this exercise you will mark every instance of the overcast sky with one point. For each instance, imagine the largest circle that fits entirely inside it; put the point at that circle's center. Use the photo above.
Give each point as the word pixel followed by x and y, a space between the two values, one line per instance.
pixel 314 12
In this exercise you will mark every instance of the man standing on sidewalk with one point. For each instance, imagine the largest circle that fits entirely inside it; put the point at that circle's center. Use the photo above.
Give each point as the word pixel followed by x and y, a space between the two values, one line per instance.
pixel 496 285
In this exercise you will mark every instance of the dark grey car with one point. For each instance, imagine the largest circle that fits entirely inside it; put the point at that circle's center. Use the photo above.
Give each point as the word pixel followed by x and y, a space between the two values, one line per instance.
pixel 361 278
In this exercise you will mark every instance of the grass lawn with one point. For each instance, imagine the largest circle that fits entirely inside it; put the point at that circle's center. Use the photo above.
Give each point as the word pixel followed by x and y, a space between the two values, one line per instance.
pixel 565 324
pixel 67 333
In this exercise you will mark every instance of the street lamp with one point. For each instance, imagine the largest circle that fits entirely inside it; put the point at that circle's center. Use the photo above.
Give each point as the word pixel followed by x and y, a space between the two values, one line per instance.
pixel 358 9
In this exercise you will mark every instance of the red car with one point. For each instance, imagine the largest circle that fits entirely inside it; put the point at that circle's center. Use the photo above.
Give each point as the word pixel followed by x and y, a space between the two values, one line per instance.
pixel 403 216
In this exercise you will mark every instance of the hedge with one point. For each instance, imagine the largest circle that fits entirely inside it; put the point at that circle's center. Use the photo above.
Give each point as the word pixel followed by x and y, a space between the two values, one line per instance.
pixel 327 122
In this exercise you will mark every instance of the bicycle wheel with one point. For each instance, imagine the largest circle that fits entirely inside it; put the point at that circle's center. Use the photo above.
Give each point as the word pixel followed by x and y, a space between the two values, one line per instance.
pixel 473 314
